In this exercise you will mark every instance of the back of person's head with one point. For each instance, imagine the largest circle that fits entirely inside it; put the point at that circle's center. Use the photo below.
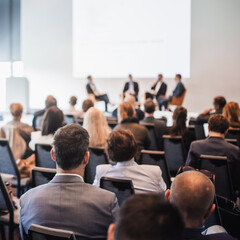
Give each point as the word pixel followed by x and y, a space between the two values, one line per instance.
pixel 232 112
pixel 96 125
pixel 53 119
pixel 130 99
pixel 149 106
pixel 125 111
pixel 70 144
pixel 178 76
pixel 179 121
pixel 148 216
pixel 50 101
pixel 88 103
pixel 73 101
pixel 193 193
pixel 219 102
pixel 121 146
pixel 218 123
pixel 16 110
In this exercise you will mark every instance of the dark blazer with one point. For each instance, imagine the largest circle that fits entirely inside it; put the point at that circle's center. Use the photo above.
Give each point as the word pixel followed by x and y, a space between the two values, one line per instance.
pixel 136 88
pixel 203 118
pixel 219 147
pixel 179 90
pixel 89 89
pixel 35 116
pixel 162 90
pixel 68 203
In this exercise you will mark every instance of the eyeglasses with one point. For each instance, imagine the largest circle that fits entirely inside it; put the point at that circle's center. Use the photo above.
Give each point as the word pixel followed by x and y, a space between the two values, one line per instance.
pixel 207 173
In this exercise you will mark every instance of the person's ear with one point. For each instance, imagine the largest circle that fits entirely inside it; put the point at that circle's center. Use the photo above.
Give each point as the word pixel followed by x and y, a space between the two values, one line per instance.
pixel 52 155
pixel 86 157
pixel 167 195
pixel 111 232
pixel 210 211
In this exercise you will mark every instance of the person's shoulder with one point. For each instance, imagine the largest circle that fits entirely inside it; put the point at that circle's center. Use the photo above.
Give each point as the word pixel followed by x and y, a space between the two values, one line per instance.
pixel 103 167
pixel 39 113
pixel 151 169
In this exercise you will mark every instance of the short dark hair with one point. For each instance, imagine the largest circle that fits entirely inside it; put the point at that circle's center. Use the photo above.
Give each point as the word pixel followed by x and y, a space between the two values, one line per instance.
pixel 148 216
pixel 149 106
pixel 218 123
pixel 121 145
pixel 88 103
pixel 50 101
pixel 70 144
pixel 73 100
pixel 220 101
pixel 179 76
pixel 89 76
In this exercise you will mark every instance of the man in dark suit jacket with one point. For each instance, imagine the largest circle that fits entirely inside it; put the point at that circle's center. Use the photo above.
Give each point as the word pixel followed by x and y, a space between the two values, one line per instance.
pixel 131 88
pixel 67 202
pixel 91 89
pixel 193 193
pixel 177 92
pixel 216 145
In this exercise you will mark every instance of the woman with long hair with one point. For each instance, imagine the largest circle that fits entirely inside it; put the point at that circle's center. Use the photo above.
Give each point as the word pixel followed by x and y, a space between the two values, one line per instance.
pixel 232 112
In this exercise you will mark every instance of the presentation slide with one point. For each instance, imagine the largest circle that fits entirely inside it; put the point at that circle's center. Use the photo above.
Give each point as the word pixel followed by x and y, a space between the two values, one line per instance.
pixel 112 38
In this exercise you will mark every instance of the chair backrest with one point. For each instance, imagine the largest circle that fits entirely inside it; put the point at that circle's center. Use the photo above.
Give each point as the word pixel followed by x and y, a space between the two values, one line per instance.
pixel 157 158
pixel 79 121
pixel 232 141
pixel 37 232
pixel 199 131
pixel 191 129
pixel 69 119
pixel 97 157
pixel 123 188
pixel 42 175
pixel 43 156
pixel 38 122
pixel 178 101
pixel 112 122
pixel 219 166
pixel 234 133
pixel 175 152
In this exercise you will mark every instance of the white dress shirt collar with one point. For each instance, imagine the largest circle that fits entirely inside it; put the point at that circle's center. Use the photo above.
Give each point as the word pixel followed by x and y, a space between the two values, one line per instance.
pixel 126 163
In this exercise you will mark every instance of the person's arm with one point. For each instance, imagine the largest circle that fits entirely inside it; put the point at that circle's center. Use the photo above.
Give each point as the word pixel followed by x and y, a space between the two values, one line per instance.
pixel 162 184
pixel 125 87
pixel 114 208
pixel 164 89
pixel 154 85
pixel 178 90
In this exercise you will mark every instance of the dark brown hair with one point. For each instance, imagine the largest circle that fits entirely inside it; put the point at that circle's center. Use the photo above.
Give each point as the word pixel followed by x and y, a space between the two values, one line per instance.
pixel 149 106
pixel 88 103
pixel 179 118
pixel 218 123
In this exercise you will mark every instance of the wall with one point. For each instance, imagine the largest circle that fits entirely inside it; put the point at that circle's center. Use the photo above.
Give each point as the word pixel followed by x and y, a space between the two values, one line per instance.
pixel 47 54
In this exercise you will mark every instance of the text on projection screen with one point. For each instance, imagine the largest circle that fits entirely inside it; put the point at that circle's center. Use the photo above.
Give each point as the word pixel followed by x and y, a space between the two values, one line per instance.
pixel 112 38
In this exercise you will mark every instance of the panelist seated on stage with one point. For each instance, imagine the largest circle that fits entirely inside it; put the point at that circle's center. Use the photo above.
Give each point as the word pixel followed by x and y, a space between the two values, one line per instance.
pixel 131 88
pixel 177 92
pixel 91 89
pixel 158 89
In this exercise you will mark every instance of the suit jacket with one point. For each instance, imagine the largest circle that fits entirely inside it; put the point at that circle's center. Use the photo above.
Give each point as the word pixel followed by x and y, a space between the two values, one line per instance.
pixel 203 118
pixel 162 90
pixel 135 86
pixel 145 178
pixel 219 147
pixel 89 89
pixel 179 90
pixel 68 203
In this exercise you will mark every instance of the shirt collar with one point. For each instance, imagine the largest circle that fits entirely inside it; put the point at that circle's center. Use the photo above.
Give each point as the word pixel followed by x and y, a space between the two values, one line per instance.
pixel 70 174
pixel 126 163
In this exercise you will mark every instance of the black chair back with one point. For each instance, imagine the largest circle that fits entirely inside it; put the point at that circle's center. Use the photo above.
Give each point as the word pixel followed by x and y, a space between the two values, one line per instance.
pixel 43 156
pixel 234 133
pixel 199 131
pixel 97 157
pixel 123 188
pixel 223 181
pixel 69 119
pixel 42 175
pixel 79 121
pixel 112 122
pixel 191 129
pixel 232 141
pixel 157 158
pixel 175 152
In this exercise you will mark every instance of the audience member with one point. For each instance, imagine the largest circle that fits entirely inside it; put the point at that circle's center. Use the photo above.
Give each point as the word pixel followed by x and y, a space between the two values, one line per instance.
pixel 232 112
pixel 131 88
pixel 128 121
pixel 91 89
pixel 218 105
pixel 177 92
pixel 66 202
pixel 122 147
pixel 216 145
pixel 49 102
pixel 52 120
pixel 179 127
pixel 147 217
pixel 160 85
pixel 72 110
pixel 159 125
pixel 96 125
pixel 88 103
pixel 193 193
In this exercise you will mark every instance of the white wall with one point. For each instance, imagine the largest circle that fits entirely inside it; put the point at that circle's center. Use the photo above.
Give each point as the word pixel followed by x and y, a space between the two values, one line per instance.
pixel 47 54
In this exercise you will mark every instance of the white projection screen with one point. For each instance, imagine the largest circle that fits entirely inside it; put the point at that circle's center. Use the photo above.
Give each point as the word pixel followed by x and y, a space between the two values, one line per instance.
pixel 112 38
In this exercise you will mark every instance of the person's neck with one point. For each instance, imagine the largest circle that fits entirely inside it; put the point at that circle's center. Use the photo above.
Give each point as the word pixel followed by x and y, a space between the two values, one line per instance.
pixel 193 223
pixel 17 119
pixel 216 134
pixel 79 171
pixel 149 114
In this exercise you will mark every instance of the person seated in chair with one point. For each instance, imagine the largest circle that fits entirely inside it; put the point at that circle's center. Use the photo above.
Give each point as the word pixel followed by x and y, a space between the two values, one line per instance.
pixel 177 92
pixel 122 147
pixel 232 112
pixel 91 89
pixel 72 109
pixel 131 88
pixel 217 146
pixel 193 193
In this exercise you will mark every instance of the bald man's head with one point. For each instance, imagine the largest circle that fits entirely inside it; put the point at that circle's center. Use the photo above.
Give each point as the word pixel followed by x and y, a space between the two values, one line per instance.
pixel 193 193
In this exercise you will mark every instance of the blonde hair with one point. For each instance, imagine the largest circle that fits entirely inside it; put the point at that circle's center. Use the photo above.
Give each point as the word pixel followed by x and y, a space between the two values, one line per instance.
pixel 96 125
pixel 16 109
pixel 125 110
pixel 232 112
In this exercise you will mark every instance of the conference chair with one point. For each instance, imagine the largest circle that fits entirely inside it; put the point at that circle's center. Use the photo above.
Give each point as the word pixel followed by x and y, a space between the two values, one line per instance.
pixel 191 129
pixel 199 129
pixel 10 212
pixel 9 169
pixel 42 175
pixel 156 158
pixel 175 152
pixel 123 188
pixel 79 121
pixel 232 141
pixel 112 122
pixel 218 165
pixel 97 157
pixel 234 133
pixel 69 119
pixel 43 156
pixel 178 101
